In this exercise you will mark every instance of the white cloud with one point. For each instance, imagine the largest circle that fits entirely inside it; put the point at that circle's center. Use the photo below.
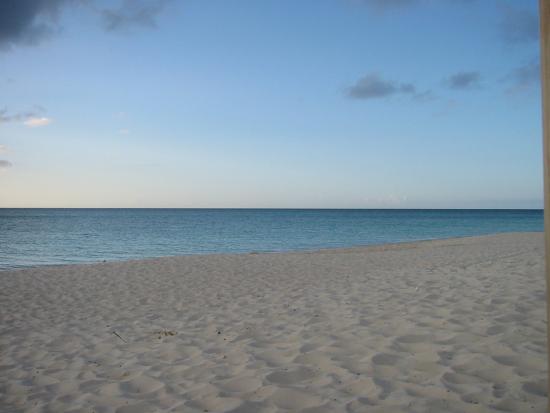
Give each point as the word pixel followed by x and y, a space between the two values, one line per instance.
pixel 3 149
pixel 124 131
pixel 35 122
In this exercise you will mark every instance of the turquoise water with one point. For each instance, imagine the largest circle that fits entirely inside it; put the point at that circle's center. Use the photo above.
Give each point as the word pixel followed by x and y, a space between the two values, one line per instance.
pixel 30 237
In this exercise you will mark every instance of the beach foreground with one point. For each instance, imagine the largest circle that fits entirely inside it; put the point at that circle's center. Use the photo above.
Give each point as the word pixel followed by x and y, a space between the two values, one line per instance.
pixel 445 326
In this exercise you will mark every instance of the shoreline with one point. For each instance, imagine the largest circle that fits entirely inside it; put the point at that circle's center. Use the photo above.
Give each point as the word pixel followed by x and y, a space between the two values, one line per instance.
pixel 294 251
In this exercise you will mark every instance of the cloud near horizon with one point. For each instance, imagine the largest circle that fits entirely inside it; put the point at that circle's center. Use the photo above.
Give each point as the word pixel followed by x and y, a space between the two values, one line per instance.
pixel 373 86
pixel 5 117
pixel 35 122
pixel 463 81
pixel 5 164
pixel 30 119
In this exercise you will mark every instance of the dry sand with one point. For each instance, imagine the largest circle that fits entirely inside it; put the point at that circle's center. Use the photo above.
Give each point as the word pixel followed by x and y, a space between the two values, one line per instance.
pixel 444 326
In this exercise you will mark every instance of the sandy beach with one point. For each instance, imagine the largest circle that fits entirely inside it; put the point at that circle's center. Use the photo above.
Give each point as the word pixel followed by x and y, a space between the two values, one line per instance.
pixel 443 326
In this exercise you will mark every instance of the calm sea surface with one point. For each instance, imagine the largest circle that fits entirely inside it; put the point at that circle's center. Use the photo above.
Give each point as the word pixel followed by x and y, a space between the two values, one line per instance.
pixel 30 237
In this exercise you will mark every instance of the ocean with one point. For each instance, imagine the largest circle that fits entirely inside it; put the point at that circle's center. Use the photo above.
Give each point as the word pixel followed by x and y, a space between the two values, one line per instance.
pixel 32 237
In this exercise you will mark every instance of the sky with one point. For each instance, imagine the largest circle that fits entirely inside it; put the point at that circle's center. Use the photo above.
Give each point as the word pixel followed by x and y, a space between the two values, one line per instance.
pixel 272 103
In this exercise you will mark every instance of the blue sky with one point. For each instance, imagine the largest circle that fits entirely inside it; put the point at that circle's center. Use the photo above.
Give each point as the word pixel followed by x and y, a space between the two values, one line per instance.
pixel 324 104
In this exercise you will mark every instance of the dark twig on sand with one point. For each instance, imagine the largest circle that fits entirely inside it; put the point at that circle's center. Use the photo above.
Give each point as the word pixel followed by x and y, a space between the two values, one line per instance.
pixel 118 335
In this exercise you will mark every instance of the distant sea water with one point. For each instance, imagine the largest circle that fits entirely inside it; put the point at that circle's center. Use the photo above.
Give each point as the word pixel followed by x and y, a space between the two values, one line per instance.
pixel 31 237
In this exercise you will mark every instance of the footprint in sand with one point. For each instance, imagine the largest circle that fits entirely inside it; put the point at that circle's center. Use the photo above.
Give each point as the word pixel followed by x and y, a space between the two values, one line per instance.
pixel 142 407
pixel 457 378
pixel 212 403
pixel 276 358
pixel 241 384
pixel 525 362
pixel 141 384
pixel 384 359
pixel 414 338
pixel 250 407
pixel 499 390
pixel 538 388
pixel 292 399
pixel 494 330
pixel 291 376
